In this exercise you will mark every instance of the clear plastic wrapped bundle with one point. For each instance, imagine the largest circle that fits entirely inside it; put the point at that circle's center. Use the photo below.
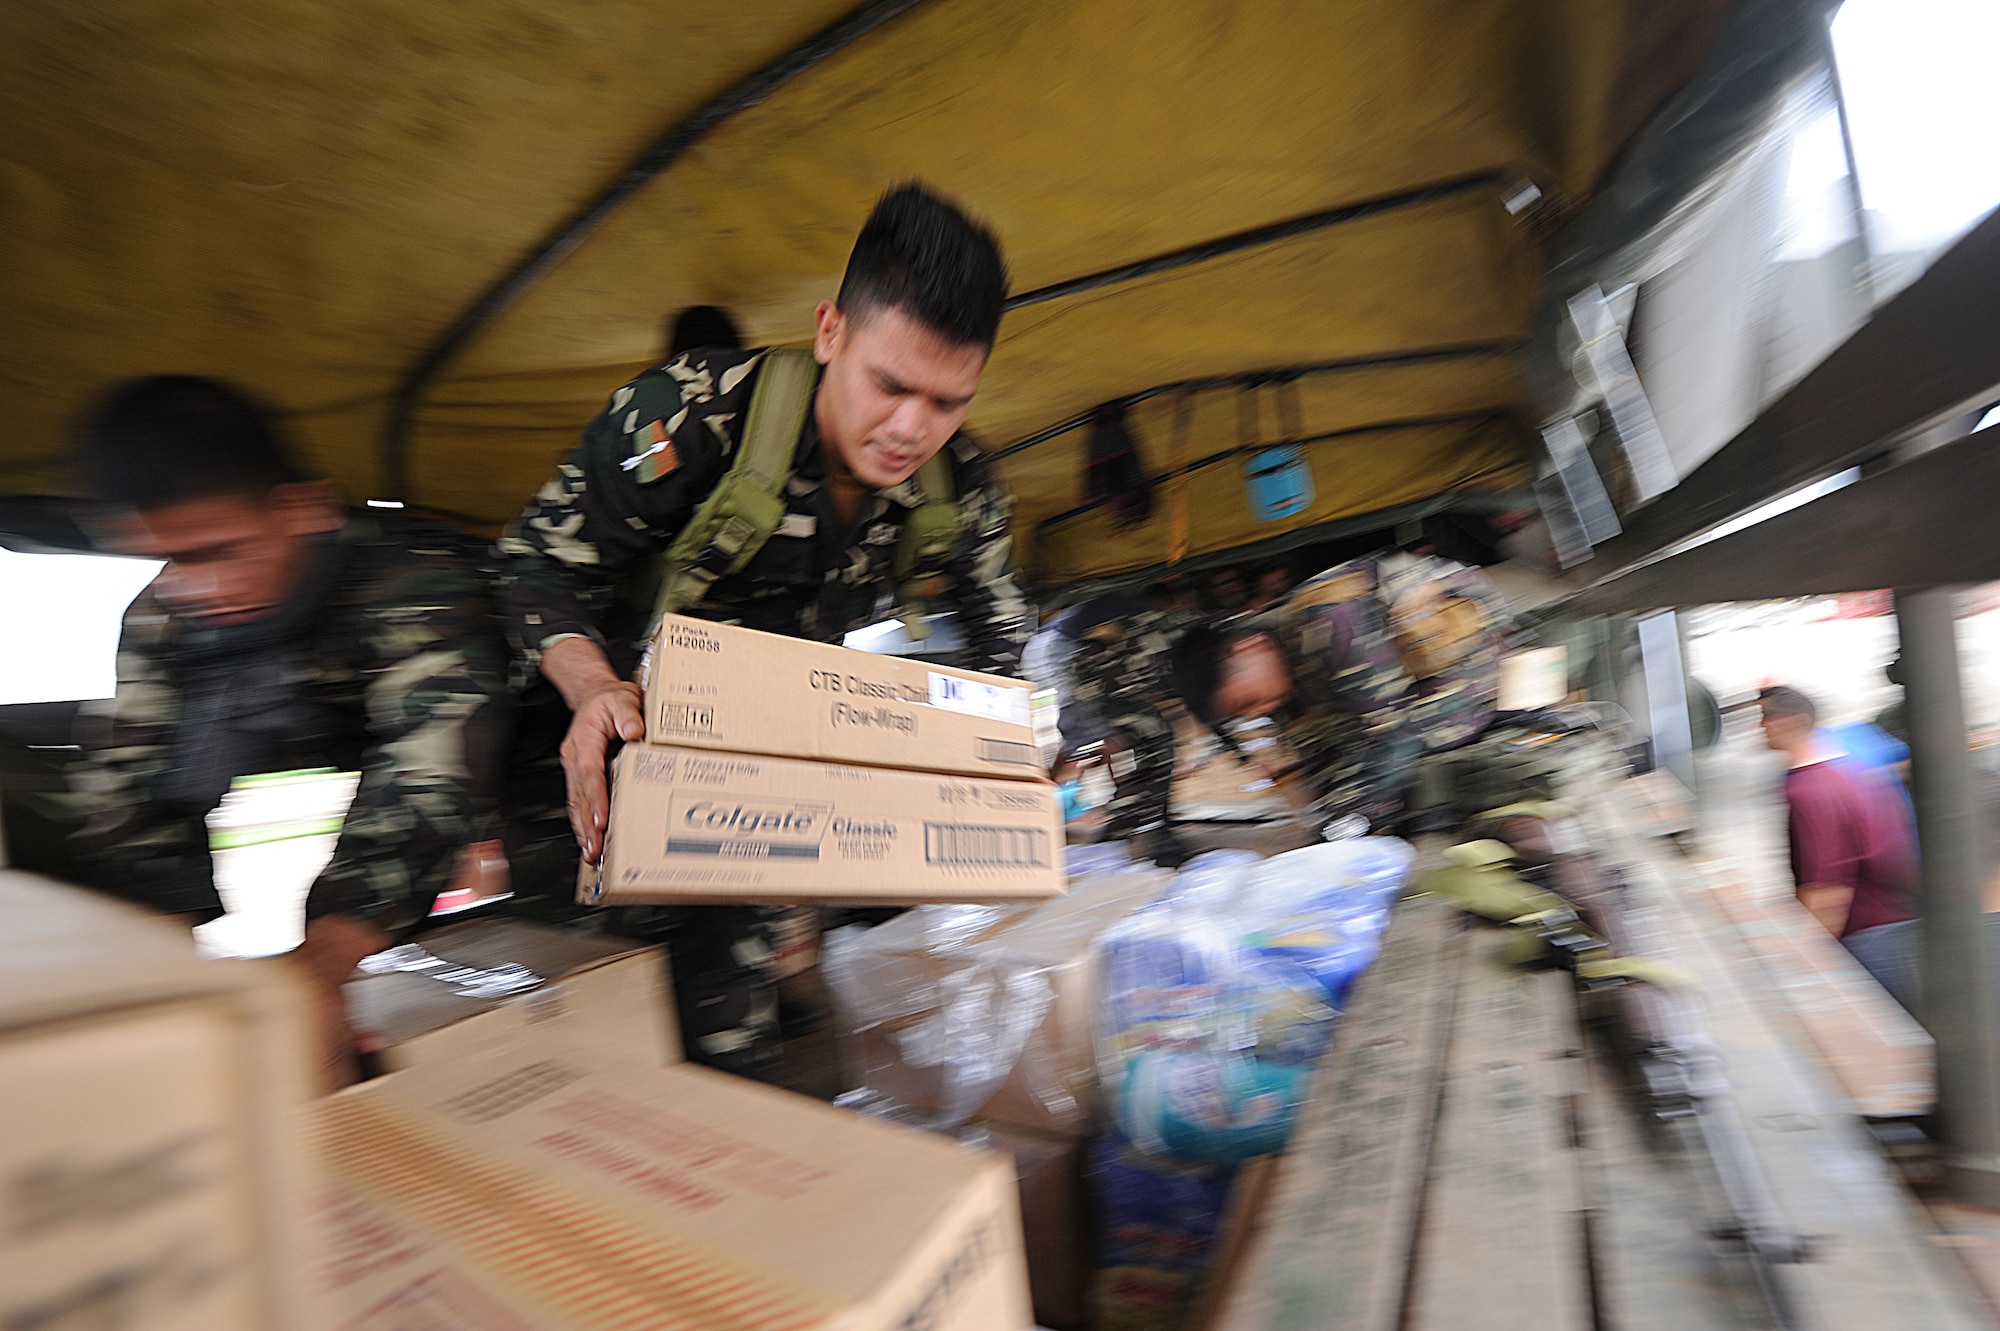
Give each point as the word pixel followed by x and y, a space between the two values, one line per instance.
pixel 1215 1001
pixel 950 1013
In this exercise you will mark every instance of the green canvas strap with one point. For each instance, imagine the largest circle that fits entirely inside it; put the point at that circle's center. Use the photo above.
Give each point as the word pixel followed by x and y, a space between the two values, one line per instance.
pixel 748 503
pixel 932 527
pixel 931 530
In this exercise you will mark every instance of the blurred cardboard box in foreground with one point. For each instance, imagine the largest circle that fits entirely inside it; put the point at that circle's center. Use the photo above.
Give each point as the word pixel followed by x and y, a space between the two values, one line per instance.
pixel 715 686
pixel 451 990
pixel 691 825
pixel 150 1162
pixel 541 1186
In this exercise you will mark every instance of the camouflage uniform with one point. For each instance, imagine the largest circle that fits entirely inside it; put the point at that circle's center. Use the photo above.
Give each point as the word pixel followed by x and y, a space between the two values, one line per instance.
pixel 1112 686
pixel 580 548
pixel 1358 717
pixel 387 661
pixel 580 561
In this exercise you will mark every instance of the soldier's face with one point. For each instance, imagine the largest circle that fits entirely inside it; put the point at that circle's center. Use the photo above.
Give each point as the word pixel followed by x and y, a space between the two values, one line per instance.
pixel 230 558
pixel 1255 680
pixel 893 392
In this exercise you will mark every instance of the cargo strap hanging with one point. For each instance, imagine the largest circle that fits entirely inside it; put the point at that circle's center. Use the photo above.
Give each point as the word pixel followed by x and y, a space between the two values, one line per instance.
pixel 748 504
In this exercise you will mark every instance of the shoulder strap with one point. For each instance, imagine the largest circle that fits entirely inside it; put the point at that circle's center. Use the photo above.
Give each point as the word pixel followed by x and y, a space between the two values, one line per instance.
pixel 930 530
pixel 748 503
pixel 932 527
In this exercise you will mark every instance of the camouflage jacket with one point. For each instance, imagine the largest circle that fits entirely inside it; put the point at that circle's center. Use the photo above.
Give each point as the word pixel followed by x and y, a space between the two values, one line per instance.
pixel 1119 666
pixel 1359 717
pixel 1452 626
pixel 389 661
pixel 649 460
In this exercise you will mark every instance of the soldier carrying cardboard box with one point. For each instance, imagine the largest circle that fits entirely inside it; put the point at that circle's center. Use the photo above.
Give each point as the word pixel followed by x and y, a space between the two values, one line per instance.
pixel 786 492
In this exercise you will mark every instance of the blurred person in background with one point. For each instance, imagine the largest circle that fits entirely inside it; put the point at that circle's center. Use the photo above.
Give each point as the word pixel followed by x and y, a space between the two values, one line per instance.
pixel 1363 668
pixel 1226 591
pixel 285 632
pixel 1853 846
pixel 702 326
pixel 1106 658
pixel 900 353
pixel 1273 584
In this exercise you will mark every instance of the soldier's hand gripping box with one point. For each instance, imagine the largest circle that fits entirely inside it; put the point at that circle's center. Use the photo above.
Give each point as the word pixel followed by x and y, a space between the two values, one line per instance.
pixel 694 826
pixel 543 1185
pixel 714 686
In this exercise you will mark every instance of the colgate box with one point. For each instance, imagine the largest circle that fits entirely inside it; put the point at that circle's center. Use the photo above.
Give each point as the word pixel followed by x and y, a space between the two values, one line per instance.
pixel 694 826
pixel 714 686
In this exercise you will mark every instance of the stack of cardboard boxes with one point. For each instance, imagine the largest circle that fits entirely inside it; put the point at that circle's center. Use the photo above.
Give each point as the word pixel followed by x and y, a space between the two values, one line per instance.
pixel 785 771
pixel 485 981
pixel 533 1165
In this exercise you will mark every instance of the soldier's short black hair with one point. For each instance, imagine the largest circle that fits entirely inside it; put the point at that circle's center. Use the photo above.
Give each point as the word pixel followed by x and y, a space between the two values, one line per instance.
pixel 167 438
pixel 700 326
pixel 1195 668
pixel 922 255
pixel 1780 700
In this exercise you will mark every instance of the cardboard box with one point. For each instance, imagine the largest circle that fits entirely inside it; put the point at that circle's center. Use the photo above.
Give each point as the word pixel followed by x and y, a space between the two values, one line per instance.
pixel 694 826
pixel 904 1005
pixel 456 988
pixel 714 686
pixel 541 1187
pixel 150 1160
pixel 1055 1221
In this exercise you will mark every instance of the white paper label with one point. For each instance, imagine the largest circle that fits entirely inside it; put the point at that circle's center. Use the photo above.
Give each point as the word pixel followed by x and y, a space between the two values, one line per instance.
pixel 979 699
pixel 1532 680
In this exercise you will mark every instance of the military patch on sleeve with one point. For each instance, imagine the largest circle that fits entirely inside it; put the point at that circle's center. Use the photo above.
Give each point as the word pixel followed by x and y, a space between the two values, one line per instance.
pixel 658 458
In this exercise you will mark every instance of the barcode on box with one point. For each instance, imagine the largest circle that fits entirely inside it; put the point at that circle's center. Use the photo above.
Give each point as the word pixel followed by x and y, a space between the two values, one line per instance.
pixel 686 718
pixel 964 845
pixel 1007 751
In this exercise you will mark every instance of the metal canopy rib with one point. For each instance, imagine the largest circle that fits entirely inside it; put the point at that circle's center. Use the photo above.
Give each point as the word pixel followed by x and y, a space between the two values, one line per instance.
pixel 575 229
pixel 1257 236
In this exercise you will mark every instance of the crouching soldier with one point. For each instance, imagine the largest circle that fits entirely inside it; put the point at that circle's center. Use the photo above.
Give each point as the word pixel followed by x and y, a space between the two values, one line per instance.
pixel 284 632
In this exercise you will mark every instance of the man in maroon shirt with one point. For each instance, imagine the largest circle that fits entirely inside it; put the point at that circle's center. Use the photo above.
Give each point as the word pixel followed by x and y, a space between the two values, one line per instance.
pixel 1853 849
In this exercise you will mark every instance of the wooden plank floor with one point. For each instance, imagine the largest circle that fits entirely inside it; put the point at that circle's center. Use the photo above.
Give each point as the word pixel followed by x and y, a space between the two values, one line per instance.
pixel 1878 1266
pixel 1471 1160
pixel 1334 1246
pixel 1654 1266
pixel 1502 1242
